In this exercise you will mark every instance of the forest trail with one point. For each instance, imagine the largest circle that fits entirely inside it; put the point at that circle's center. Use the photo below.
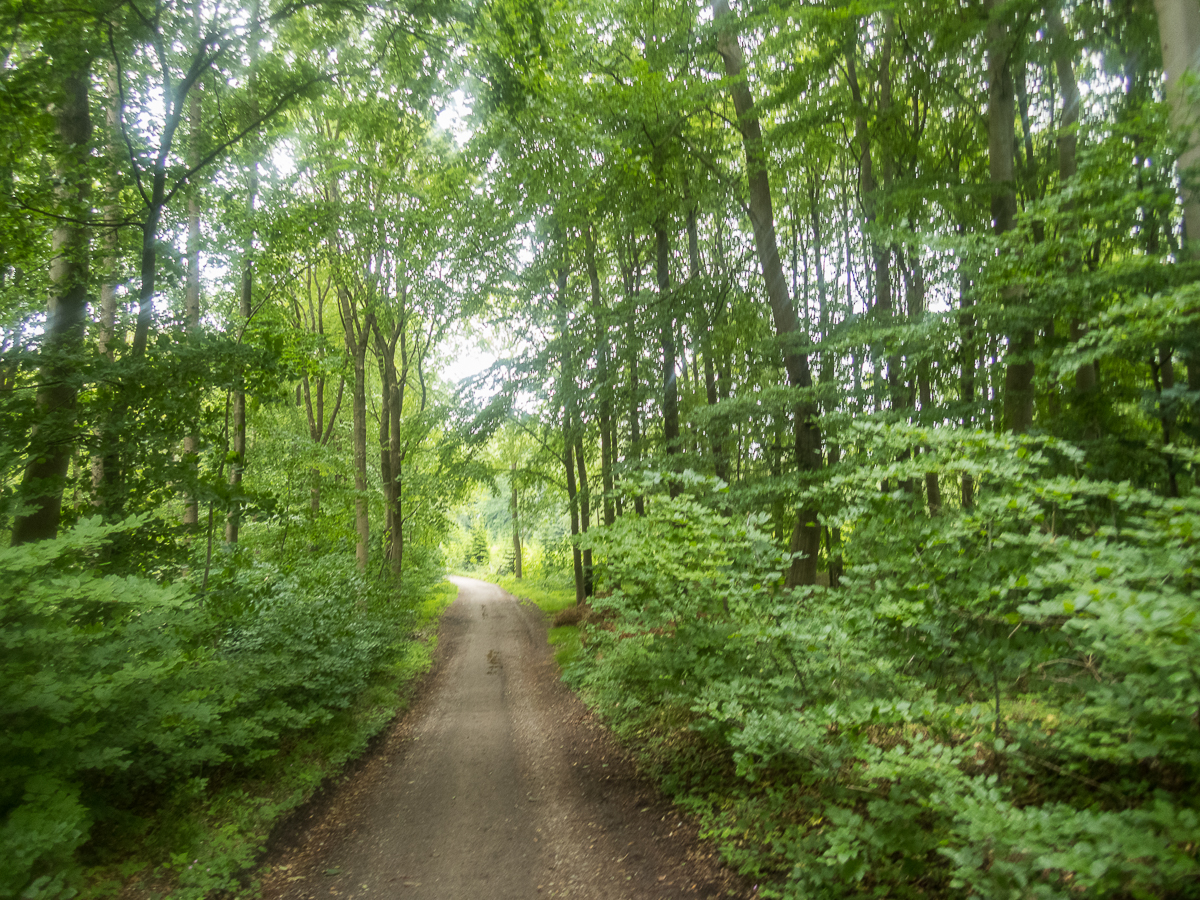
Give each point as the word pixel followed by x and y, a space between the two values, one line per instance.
pixel 497 784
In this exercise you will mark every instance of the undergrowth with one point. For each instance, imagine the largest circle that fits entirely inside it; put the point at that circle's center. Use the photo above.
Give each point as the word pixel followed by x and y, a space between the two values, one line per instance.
pixel 155 732
pixel 1007 712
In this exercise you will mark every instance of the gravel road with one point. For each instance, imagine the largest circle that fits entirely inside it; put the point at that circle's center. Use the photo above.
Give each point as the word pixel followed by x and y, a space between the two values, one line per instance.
pixel 496 784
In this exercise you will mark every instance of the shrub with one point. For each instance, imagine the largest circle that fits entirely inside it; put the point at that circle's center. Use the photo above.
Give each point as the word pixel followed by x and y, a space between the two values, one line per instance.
pixel 116 688
pixel 998 701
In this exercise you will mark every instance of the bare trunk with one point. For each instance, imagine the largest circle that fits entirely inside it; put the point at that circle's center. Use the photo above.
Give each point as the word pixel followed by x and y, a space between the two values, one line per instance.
pixel 567 389
pixel 568 460
pixel 238 464
pixel 359 408
pixel 916 311
pixel 191 442
pixel 1067 142
pixel 666 340
pixel 356 336
pixel 632 276
pixel 1179 35
pixel 52 439
pixel 391 458
pixel 706 345
pixel 396 545
pixel 1019 370
pixel 1162 373
pixel 585 508
pixel 603 387
pixel 110 240
pixel 806 536
pixel 516 530
pixel 386 476
pixel 635 429
pixel 1067 139
pixel 883 308
pixel 320 430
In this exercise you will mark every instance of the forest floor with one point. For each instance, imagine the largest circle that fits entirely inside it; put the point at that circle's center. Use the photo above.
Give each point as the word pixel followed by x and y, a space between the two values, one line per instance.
pixel 497 783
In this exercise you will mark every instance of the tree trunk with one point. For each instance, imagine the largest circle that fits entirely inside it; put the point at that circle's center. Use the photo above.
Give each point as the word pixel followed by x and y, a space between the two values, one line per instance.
pixel 1019 370
pixel 631 276
pixel 319 429
pixel 395 398
pixel 585 509
pixel 239 398
pixel 391 408
pixel 883 308
pixel 1066 142
pixel 386 477
pixel 635 429
pixel 1162 373
pixel 603 387
pixel 516 530
pixel 706 344
pixel 666 340
pixel 238 465
pixel 567 390
pixel 568 460
pixel 359 414
pixel 916 311
pixel 806 536
pixel 356 337
pixel 52 438
pixel 110 240
pixel 1179 35
pixel 191 442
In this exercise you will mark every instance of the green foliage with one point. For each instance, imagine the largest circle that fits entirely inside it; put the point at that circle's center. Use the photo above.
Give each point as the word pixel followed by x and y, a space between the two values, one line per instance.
pixel 1008 711
pixel 116 689
pixel 477 553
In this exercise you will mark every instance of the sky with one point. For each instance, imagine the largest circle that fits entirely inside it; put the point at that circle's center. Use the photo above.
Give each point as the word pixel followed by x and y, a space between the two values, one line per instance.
pixel 465 355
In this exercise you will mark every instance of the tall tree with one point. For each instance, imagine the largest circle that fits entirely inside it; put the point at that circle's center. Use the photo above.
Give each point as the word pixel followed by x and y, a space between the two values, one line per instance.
pixel 52 441
pixel 806 536
pixel 1019 371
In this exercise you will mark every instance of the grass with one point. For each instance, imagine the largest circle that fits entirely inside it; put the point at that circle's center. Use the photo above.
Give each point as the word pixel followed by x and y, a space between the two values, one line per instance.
pixel 565 641
pixel 550 595
pixel 203 840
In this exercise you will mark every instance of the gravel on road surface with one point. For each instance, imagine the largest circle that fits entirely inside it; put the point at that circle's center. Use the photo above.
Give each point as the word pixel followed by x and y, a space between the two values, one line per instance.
pixel 496 784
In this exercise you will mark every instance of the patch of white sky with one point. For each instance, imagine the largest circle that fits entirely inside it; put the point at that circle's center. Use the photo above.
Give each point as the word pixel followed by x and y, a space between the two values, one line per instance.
pixel 478 345
pixel 453 117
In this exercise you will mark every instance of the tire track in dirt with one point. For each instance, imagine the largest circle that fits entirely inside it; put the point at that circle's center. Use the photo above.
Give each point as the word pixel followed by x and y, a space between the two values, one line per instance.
pixel 496 784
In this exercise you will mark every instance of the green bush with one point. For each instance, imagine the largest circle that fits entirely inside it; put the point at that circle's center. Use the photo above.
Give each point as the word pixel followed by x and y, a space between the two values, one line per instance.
pixel 115 688
pixel 1009 711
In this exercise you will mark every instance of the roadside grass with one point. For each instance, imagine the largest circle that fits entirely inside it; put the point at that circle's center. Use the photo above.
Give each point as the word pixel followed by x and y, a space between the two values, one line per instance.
pixel 565 641
pixel 550 595
pixel 206 836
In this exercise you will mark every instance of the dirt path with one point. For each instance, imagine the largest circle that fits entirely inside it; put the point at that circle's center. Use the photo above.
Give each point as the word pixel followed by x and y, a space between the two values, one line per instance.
pixel 497 784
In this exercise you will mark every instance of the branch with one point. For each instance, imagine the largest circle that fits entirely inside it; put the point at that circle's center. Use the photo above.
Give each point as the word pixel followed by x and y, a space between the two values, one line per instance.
pixel 137 173
pixel 333 415
pixel 75 220
pixel 253 126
